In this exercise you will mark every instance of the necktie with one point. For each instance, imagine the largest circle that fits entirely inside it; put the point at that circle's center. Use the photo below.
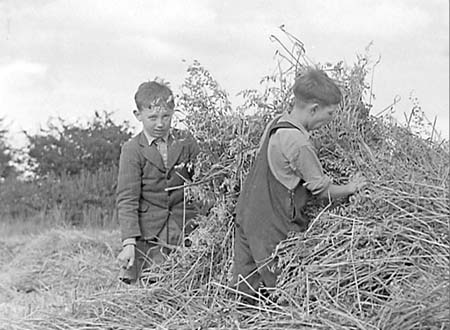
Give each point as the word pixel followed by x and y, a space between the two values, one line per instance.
pixel 162 148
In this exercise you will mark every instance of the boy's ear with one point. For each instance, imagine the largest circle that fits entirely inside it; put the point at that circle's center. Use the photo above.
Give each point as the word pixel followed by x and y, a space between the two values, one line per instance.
pixel 137 114
pixel 313 108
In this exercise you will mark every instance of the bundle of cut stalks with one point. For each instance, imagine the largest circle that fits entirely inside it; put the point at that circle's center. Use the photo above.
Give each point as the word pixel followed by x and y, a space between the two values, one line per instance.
pixel 385 269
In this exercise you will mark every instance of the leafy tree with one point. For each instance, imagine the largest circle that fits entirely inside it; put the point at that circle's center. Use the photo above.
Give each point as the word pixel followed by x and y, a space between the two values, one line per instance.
pixel 65 148
pixel 6 154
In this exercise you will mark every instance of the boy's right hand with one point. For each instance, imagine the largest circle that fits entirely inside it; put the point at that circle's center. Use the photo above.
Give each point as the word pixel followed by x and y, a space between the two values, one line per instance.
pixel 357 183
pixel 126 257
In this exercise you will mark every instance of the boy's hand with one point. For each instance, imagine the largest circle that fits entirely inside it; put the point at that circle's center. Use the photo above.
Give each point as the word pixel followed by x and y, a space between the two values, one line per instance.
pixel 126 257
pixel 357 182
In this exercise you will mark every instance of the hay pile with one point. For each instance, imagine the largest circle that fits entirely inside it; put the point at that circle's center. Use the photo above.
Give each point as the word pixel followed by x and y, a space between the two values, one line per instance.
pixel 377 261
pixel 382 261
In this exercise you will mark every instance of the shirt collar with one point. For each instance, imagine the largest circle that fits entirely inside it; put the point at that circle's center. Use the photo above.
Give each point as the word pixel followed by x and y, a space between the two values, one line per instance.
pixel 151 139
pixel 285 117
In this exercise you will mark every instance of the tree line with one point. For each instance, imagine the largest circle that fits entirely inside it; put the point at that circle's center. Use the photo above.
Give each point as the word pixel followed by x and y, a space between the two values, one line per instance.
pixel 64 148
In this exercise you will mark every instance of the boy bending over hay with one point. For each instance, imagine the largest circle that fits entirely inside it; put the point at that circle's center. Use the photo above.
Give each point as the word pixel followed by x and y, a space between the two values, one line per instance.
pixel 152 217
pixel 286 173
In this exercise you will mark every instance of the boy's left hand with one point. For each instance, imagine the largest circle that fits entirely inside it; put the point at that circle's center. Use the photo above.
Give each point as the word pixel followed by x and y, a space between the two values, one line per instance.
pixel 126 257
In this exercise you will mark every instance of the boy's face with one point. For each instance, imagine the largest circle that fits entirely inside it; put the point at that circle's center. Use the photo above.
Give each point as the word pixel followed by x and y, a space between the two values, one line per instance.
pixel 321 115
pixel 156 120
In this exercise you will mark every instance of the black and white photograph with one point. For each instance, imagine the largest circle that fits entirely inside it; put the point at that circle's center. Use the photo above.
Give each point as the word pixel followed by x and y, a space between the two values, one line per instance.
pixel 224 165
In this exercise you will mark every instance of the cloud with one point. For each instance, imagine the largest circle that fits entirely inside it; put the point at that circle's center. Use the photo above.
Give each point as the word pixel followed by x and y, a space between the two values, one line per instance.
pixel 21 67
pixel 122 18
pixel 19 74
pixel 99 33
pixel 21 88
pixel 385 19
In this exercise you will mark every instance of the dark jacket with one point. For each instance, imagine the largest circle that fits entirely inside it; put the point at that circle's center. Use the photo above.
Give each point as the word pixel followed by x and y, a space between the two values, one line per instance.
pixel 143 205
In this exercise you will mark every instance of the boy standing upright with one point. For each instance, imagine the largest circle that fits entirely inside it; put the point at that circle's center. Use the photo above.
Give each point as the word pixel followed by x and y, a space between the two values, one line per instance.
pixel 286 173
pixel 152 217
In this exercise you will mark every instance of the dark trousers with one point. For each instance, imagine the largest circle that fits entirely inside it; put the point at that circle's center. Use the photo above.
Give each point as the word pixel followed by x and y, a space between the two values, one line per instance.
pixel 254 266
pixel 152 252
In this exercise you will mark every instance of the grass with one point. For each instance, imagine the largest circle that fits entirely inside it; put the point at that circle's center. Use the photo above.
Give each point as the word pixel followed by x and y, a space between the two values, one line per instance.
pixel 86 199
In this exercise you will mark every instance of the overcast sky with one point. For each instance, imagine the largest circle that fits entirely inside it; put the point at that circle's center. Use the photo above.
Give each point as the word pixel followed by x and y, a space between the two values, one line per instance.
pixel 69 58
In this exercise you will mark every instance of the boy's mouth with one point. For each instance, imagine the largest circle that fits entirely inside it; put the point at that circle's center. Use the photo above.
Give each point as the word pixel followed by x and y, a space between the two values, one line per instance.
pixel 159 132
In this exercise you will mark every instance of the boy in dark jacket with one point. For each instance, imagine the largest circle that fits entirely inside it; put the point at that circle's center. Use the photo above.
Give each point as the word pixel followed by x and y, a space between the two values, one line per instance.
pixel 153 218
pixel 286 173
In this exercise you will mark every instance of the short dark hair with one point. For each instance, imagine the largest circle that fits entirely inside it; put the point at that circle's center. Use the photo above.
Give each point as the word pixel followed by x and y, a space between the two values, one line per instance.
pixel 314 86
pixel 153 93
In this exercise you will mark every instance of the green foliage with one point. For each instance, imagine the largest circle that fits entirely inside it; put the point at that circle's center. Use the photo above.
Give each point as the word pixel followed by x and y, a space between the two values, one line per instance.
pixel 76 173
pixel 6 154
pixel 65 148
pixel 209 117
pixel 87 198
pixel 228 138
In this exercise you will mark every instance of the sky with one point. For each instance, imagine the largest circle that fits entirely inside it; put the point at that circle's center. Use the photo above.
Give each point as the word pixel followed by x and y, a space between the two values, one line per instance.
pixel 69 58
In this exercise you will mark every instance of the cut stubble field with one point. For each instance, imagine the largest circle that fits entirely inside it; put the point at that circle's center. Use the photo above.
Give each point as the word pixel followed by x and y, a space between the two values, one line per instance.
pixel 48 272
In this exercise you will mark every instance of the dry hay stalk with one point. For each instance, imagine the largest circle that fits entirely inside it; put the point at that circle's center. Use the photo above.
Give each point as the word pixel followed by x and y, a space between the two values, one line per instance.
pixel 386 268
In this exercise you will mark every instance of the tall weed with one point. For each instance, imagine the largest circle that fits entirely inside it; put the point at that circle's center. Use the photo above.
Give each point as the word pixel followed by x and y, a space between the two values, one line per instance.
pixel 86 199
